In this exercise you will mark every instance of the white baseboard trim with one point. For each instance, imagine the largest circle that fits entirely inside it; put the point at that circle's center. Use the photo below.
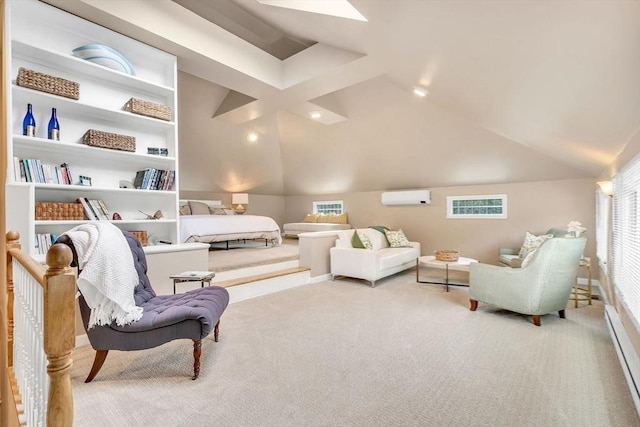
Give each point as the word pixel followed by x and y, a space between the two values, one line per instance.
pixel 629 359
pixel 321 278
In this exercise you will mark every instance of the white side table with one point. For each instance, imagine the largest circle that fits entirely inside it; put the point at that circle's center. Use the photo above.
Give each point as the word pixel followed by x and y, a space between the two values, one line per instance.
pixel 430 261
pixel 193 276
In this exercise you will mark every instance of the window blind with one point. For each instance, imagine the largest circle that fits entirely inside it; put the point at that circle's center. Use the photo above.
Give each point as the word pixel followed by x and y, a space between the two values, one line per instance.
pixel 602 228
pixel 626 238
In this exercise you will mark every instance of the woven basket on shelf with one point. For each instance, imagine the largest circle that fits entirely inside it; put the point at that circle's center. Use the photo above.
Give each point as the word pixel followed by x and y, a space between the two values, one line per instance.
pixel 46 83
pixel 97 138
pixel 58 211
pixel 148 108
pixel 140 235
pixel 446 255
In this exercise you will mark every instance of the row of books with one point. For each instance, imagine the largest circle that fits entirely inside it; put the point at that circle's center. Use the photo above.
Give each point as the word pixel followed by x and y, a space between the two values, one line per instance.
pixel 44 242
pixel 154 179
pixel 32 170
pixel 94 209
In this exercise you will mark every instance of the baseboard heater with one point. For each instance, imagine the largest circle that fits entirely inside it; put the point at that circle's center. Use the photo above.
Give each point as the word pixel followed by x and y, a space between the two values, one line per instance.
pixel 629 359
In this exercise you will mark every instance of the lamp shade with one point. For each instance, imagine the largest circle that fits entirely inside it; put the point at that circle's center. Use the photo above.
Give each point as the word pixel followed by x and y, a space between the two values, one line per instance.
pixel 606 187
pixel 239 198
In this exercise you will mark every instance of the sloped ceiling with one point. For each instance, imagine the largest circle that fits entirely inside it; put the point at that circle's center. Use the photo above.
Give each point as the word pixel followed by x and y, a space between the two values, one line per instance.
pixel 519 91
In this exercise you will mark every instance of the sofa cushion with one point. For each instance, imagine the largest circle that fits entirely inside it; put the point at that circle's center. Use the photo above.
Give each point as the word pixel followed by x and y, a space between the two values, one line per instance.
pixel 333 218
pixel 397 239
pixel 310 218
pixel 531 243
pixel 391 257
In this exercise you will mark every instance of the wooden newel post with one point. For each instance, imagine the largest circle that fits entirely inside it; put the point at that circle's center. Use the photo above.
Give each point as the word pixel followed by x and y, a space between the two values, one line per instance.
pixel 13 242
pixel 59 333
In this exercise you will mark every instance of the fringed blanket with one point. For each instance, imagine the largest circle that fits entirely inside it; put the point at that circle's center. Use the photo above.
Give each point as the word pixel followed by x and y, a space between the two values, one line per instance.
pixel 108 276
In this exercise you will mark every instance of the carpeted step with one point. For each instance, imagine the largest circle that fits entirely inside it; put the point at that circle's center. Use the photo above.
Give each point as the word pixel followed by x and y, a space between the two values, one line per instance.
pixel 258 277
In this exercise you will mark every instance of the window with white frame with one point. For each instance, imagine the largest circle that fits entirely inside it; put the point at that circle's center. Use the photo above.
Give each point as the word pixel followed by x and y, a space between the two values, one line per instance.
pixel 327 207
pixel 602 228
pixel 626 238
pixel 488 206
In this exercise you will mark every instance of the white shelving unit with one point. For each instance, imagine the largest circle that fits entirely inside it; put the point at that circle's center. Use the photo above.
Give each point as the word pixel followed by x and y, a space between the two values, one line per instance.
pixel 41 38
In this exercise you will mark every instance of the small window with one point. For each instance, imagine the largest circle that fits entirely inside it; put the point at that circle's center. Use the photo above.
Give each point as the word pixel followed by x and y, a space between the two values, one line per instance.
pixel 493 206
pixel 334 207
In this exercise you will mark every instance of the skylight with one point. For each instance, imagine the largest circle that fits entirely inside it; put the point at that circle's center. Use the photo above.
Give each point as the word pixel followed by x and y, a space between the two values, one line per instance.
pixel 339 8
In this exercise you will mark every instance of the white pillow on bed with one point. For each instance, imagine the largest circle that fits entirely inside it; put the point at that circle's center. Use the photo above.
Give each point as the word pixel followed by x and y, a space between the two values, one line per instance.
pixel 229 212
pixel 198 208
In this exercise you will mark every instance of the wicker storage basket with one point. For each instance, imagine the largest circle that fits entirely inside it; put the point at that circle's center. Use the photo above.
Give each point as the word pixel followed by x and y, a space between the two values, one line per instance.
pixel 148 108
pixel 446 255
pixel 46 83
pixel 140 235
pixel 97 138
pixel 59 211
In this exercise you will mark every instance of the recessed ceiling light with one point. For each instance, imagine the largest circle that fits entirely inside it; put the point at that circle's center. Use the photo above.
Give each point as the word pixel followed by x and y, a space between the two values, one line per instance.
pixel 419 91
pixel 315 114
pixel 252 137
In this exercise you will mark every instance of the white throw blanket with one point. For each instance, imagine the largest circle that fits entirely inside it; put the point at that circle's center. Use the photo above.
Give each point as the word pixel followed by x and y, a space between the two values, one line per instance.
pixel 108 276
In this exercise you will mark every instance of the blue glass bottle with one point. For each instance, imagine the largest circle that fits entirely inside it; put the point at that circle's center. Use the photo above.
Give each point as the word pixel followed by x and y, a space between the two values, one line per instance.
pixel 29 123
pixel 53 130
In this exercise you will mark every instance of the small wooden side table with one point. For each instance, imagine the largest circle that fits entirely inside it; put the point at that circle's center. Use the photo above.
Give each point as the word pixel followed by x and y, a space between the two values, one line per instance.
pixel 193 276
pixel 581 294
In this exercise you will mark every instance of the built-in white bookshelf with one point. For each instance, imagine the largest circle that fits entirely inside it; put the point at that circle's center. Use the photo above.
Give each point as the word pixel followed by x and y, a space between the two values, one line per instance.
pixel 41 38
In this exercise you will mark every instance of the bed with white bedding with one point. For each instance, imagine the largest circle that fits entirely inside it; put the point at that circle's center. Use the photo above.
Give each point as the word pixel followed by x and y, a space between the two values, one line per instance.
pixel 216 226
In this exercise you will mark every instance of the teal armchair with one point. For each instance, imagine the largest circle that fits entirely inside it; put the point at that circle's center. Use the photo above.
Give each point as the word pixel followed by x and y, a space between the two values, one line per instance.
pixel 541 287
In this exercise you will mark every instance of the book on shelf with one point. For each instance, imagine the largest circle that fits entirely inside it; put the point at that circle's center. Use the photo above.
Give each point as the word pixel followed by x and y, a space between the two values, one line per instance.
pixel 33 170
pixel 97 209
pixel 44 241
pixel 88 211
pixel 154 179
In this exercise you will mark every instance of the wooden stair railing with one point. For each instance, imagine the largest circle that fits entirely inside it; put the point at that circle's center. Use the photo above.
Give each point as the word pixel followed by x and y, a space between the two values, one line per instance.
pixel 52 291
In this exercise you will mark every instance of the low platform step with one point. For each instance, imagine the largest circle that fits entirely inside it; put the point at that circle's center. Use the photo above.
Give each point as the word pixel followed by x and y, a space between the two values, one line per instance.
pixel 258 277
pixel 243 288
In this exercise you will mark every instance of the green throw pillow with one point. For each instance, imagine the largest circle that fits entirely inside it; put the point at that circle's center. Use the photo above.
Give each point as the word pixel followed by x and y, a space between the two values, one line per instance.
pixel 360 241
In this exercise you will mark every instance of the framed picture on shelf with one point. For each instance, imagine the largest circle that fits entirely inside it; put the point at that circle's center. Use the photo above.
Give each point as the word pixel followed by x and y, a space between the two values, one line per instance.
pixel 85 180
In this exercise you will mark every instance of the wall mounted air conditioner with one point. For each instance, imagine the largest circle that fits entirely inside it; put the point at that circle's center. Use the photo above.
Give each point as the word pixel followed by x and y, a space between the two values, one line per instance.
pixel 406 197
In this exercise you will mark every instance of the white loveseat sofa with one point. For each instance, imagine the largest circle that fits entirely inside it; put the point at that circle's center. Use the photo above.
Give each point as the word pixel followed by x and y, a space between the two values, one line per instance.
pixel 370 264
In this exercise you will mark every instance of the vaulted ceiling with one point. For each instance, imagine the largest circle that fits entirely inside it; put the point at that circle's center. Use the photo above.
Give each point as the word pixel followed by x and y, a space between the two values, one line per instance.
pixel 518 90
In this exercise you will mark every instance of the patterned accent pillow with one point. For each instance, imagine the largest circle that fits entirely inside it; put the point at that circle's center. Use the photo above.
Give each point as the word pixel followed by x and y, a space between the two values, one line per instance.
pixel 531 243
pixel 198 208
pixel 361 241
pixel 527 259
pixel 184 210
pixel 397 239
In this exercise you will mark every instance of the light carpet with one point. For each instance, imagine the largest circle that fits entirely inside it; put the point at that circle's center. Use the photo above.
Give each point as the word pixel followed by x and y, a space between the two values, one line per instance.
pixel 250 253
pixel 344 354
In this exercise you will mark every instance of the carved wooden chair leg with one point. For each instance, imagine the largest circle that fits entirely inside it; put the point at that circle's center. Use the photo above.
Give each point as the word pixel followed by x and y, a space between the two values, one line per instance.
pixel 101 355
pixel 197 347
pixel 216 330
pixel 536 319
pixel 562 314
pixel 473 305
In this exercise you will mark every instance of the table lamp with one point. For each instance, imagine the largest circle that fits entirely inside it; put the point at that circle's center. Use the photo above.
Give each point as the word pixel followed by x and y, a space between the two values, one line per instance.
pixel 239 199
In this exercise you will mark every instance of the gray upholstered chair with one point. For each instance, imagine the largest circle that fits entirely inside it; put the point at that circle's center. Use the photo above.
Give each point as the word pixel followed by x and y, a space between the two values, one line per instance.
pixel 541 287
pixel 509 257
pixel 191 315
